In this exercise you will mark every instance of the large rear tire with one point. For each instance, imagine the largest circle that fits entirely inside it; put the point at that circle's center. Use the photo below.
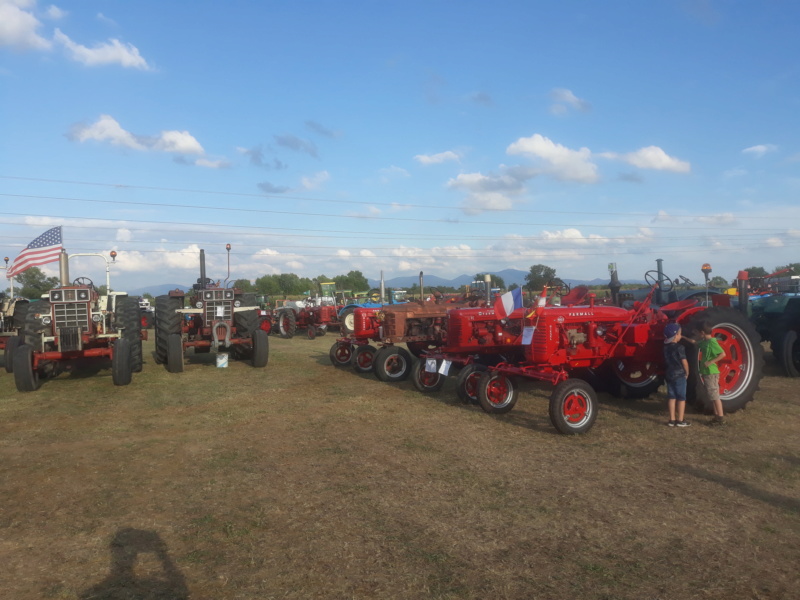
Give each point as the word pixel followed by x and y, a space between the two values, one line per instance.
pixel 393 363
pixel 631 379
pixel 25 377
pixel 260 348
pixel 741 369
pixel 364 359
pixel 175 353
pixel 573 407
pixel 246 323
pixel 287 323
pixel 497 393
pixel 122 362
pixel 167 322
pixel 347 321
pixel 128 316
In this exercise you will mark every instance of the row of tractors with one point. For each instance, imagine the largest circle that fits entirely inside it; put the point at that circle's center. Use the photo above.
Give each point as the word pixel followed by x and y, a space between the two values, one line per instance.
pixel 569 339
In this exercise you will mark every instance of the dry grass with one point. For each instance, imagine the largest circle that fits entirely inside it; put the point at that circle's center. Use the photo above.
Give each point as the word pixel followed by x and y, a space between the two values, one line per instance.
pixel 304 481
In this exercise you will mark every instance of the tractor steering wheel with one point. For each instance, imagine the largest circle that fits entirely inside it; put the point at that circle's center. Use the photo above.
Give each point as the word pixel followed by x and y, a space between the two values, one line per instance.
pixel 562 287
pixel 651 277
pixel 83 281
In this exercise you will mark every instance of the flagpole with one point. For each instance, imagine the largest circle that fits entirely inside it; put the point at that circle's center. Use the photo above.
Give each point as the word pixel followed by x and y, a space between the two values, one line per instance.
pixel 10 279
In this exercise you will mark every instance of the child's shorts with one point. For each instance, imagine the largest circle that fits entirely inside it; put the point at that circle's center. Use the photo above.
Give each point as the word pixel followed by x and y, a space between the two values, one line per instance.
pixel 711 382
pixel 676 389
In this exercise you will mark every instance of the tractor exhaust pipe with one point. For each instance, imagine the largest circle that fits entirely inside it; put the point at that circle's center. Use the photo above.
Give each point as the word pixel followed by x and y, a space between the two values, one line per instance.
pixel 487 278
pixel 615 286
pixel 63 268
pixel 421 288
pixel 202 269
pixel 744 297
pixel 383 289
pixel 660 269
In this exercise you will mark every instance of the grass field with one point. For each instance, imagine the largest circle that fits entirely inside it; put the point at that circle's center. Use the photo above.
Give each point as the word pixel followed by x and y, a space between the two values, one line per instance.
pixel 305 481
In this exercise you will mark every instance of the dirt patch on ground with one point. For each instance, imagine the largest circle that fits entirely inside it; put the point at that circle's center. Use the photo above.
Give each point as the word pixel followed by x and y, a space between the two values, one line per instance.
pixel 306 481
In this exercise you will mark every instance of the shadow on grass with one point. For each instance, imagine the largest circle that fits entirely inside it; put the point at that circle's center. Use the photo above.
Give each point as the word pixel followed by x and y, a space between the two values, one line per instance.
pixel 122 581
pixel 777 500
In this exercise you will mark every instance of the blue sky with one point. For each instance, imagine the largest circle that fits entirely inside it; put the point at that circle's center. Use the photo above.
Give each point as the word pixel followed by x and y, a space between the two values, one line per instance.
pixel 448 137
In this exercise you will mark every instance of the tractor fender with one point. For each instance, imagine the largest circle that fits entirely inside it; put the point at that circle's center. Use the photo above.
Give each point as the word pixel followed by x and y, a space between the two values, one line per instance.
pixel 686 316
pixel 215 334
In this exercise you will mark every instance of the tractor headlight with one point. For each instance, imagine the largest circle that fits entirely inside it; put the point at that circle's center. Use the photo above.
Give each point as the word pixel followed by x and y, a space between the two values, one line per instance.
pixel 97 317
pixel 83 294
pixel 46 320
pixel 198 304
pixel 237 303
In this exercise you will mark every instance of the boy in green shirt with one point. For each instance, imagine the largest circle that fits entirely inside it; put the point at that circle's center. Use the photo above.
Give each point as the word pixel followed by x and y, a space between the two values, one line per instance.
pixel 710 354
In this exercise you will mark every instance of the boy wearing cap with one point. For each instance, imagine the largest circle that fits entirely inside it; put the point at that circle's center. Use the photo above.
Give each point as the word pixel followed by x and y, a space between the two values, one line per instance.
pixel 676 372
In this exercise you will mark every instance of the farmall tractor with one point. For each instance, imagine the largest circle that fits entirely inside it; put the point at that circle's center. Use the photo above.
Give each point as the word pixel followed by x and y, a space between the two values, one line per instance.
pixel 72 322
pixel 222 319
pixel 315 315
pixel 584 347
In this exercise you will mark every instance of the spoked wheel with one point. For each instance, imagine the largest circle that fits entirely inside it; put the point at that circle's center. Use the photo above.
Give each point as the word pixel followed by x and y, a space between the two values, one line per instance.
pixel 311 332
pixel 573 407
pixel 631 380
pixel 497 393
pixel 364 359
pixel 425 381
pixel 287 323
pixel 393 363
pixel 467 383
pixel 341 354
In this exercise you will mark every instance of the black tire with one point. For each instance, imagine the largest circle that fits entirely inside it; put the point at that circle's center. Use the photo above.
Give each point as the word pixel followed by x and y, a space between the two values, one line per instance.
pixel 121 362
pixel 311 332
pixel 742 368
pixel 497 394
pixel 12 344
pixel 167 322
pixel 260 348
pixel 424 381
pixel 467 383
pixel 20 312
pixel 246 323
pixel 789 353
pixel 175 353
pixel 128 316
pixel 341 354
pixel 363 360
pixel 33 328
pixel 573 407
pixel 631 380
pixel 287 323
pixel 25 377
pixel 347 322
pixel 393 363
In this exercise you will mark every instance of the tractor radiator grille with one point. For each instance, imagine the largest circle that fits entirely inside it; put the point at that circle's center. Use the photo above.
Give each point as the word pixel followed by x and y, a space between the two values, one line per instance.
pixel 390 328
pixel 218 310
pixel 69 338
pixel 72 314
pixel 455 330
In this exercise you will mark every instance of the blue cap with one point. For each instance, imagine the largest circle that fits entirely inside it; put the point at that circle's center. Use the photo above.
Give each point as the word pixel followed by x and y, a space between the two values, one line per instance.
pixel 671 330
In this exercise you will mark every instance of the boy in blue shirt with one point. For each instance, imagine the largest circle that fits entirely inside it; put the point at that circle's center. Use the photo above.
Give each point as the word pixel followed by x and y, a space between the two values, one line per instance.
pixel 676 372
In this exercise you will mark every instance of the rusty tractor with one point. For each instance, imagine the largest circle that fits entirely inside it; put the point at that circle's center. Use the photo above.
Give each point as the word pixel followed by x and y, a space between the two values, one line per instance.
pixel 583 348
pixel 223 319
pixel 74 322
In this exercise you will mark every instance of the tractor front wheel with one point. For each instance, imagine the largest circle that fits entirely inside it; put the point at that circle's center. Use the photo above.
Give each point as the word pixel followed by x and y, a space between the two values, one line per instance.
pixel 573 407
pixel 311 332
pixel 260 348
pixel 25 376
pixel 425 381
pixel 393 363
pixel 364 359
pixel 497 393
pixel 175 353
pixel 121 362
pixel 340 354
pixel 467 383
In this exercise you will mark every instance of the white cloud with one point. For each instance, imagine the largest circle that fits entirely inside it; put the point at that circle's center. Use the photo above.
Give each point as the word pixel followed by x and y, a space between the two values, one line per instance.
pixel 124 235
pixel 561 162
pixel 315 181
pixel 55 13
pixel 564 99
pixel 435 159
pixel 486 192
pixel 212 164
pixel 392 172
pixel 181 142
pixel 111 52
pixel 651 157
pixel 760 150
pixel 107 129
pixel 774 242
pixel 366 253
pixel 343 253
pixel 18 26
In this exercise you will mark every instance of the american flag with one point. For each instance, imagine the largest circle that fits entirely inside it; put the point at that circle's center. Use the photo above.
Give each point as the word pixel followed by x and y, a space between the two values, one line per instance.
pixel 44 249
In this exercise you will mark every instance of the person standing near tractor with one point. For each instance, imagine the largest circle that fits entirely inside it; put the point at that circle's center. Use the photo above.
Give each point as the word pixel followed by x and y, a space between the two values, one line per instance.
pixel 677 370
pixel 710 354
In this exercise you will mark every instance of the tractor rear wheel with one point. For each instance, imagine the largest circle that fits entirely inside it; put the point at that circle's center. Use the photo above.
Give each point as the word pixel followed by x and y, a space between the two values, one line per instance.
pixel 175 353
pixel 25 376
pixel 33 329
pixel 573 407
pixel 167 322
pixel 467 383
pixel 789 353
pixel 12 344
pixel 287 323
pixel 341 354
pixel 122 362
pixel 246 323
pixel 425 381
pixel 497 393
pixel 127 316
pixel 393 363
pixel 741 369
pixel 347 321
pixel 260 348
pixel 632 380
pixel 364 359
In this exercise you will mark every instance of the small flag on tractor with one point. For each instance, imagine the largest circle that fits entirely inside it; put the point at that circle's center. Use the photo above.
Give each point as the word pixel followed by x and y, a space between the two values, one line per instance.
pixel 540 304
pixel 44 249
pixel 507 303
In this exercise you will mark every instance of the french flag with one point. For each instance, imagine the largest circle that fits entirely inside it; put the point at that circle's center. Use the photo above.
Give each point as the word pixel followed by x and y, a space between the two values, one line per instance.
pixel 507 303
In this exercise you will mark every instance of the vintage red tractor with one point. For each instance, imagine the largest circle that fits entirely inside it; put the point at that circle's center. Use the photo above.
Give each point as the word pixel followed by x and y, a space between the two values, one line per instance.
pixel 581 348
pixel 223 319
pixel 76 322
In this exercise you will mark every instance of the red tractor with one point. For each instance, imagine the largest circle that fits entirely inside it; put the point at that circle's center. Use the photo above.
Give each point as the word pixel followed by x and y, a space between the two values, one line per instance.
pixel 580 348
pixel 75 322
pixel 217 318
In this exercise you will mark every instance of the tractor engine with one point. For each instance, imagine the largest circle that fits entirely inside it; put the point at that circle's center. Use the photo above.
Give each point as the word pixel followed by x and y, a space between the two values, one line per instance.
pixel 478 330
pixel 366 323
